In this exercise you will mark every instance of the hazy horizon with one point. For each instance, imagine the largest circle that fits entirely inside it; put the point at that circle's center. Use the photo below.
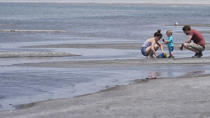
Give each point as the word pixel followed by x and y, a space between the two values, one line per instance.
pixel 118 1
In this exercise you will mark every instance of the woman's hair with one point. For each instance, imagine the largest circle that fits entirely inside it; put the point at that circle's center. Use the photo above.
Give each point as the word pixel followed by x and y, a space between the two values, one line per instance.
pixel 186 28
pixel 169 32
pixel 158 34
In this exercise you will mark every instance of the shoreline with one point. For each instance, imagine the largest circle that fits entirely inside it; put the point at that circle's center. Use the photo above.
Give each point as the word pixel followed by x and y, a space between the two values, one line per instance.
pixel 103 45
pixel 24 54
pixel 117 63
pixel 116 87
pixel 139 98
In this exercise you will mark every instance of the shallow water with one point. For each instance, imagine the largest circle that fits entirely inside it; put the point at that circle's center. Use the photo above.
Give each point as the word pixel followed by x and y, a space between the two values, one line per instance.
pixel 24 85
pixel 87 24
pixel 96 22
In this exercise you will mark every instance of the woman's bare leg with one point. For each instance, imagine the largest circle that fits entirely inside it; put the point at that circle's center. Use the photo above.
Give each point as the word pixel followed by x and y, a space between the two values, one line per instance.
pixel 149 51
pixel 150 55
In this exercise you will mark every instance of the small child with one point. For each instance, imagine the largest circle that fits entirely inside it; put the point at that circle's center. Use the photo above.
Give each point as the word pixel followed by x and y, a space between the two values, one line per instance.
pixel 170 43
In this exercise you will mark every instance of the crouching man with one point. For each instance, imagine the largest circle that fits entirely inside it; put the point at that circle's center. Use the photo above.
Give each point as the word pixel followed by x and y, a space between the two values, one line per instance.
pixel 198 44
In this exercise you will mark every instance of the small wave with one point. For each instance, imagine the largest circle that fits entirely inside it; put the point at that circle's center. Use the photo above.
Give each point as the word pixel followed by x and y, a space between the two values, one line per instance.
pixel 34 54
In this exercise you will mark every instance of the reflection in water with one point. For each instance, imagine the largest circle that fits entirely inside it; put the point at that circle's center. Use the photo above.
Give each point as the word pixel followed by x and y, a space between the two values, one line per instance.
pixel 170 74
pixel 153 75
pixel 194 73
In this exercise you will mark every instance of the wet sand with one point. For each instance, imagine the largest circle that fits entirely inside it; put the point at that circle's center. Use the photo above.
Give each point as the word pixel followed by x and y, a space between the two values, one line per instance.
pixel 134 46
pixel 160 98
pixel 184 97
pixel 9 54
pixel 117 62
pixel 35 31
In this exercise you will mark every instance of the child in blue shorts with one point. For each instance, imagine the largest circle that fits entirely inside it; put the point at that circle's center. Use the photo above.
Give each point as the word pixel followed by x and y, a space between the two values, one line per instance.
pixel 170 43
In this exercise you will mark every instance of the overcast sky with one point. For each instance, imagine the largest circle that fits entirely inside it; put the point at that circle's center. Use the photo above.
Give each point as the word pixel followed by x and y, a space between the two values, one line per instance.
pixel 118 1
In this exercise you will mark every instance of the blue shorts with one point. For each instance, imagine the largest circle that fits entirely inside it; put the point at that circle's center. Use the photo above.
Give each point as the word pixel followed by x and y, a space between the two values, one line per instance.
pixel 170 49
pixel 143 51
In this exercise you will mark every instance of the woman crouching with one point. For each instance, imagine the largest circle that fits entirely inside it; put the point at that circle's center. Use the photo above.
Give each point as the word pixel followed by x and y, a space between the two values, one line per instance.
pixel 151 45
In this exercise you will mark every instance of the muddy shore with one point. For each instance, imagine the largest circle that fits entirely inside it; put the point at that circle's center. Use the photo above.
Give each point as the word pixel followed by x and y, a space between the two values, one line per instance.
pixel 180 97
pixel 117 62
pixel 101 46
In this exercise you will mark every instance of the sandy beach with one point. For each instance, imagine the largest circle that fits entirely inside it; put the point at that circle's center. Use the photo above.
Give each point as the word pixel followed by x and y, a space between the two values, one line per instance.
pixel 132 46
pixel 88 64
pixel 160 98
pixel 184 97
pixel 116 63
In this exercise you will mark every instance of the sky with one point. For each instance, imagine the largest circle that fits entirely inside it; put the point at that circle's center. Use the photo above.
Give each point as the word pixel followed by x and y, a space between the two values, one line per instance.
pixel 119 1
